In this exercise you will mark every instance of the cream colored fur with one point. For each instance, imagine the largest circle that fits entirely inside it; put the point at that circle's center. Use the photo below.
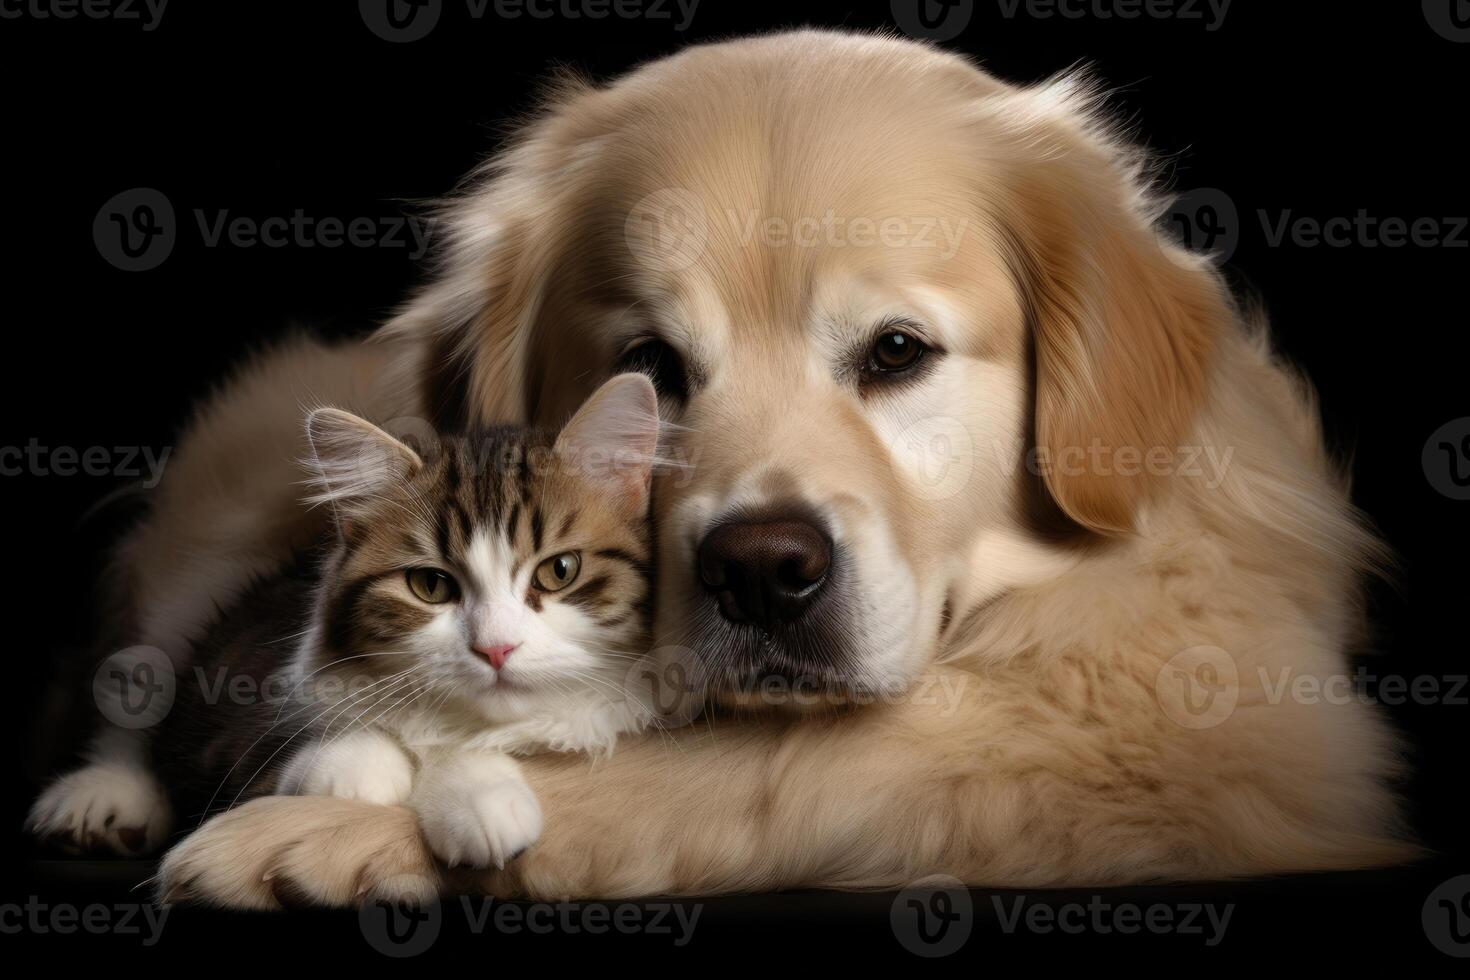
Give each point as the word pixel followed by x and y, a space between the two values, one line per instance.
pixel 1058 757
pixel 1058 768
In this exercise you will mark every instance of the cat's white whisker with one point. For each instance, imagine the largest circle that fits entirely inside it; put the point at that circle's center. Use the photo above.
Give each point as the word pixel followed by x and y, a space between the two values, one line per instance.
pixel 406 678
pixel 277 722
pixel 292 738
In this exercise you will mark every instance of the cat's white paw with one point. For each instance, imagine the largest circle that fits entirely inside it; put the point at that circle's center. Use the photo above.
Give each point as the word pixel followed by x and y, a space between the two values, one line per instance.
pixel 105 806
pixel 482 824
pixel 363 766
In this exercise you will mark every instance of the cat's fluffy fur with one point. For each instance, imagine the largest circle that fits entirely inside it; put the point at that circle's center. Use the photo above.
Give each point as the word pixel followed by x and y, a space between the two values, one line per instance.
pixel 1062 599
pixel 507 658
pixel 340 676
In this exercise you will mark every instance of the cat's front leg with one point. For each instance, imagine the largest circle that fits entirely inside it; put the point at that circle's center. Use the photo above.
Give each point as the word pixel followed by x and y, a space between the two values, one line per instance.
pixel 475 809
pixel 363 765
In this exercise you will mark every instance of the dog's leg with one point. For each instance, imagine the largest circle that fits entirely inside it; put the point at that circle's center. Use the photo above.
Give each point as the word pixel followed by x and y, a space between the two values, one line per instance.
pixel 996 791
pixel 285 851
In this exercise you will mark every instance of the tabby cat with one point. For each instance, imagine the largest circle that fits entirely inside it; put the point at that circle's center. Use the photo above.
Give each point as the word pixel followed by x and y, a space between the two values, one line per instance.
pixel 483 596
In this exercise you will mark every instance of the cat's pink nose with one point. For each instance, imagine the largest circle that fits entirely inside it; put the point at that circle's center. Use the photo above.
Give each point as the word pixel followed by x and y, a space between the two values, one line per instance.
pixel 497 654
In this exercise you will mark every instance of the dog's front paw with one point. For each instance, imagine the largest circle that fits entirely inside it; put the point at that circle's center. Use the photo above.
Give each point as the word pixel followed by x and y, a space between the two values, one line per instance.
pixel 482 824
pixel 364 766
pixel 108 806
pixel 290 851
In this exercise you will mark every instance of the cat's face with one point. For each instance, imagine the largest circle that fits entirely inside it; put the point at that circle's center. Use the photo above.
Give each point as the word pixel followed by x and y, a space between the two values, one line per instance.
pixel 500 568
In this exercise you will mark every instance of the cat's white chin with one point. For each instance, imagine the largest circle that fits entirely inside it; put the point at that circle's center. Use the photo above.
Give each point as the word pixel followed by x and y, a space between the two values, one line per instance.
pixel 509 694
pixel 508 702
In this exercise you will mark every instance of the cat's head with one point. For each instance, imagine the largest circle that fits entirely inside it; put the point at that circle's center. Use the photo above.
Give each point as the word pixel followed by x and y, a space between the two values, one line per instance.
pixel 502 567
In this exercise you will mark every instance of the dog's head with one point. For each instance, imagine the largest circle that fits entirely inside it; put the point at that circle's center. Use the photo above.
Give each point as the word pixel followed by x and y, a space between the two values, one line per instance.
pixel 900 314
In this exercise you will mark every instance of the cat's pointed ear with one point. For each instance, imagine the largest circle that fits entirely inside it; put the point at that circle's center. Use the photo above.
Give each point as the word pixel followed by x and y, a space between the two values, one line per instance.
pixel 353 461
pixel 613 439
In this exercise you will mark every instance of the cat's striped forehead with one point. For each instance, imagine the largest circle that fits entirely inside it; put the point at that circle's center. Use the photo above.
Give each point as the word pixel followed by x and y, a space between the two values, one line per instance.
pixel 504 487
pixel 490 483
pixel 488 508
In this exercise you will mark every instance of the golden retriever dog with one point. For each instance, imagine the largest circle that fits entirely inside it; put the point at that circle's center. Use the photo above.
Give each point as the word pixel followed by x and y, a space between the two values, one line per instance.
pixel 1004 547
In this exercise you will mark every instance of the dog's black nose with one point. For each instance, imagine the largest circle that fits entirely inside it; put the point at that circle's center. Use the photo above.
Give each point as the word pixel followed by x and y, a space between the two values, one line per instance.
pixel 765 571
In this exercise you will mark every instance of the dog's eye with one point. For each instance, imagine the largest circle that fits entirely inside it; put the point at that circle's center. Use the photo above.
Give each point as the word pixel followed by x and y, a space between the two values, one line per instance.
pixel 895 351
pixel 662 364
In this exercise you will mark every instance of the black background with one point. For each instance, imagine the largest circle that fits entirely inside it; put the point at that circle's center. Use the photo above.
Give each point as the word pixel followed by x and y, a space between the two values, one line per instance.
pixel 1317 109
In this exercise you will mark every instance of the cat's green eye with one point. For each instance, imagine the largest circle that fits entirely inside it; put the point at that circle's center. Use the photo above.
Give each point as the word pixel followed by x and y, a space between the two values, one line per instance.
pixel 558 572
pixel 432 584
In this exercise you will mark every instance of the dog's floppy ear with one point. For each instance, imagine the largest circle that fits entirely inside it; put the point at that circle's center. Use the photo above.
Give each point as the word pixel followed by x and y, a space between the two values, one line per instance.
pixel 466 335
pixel 1124 322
